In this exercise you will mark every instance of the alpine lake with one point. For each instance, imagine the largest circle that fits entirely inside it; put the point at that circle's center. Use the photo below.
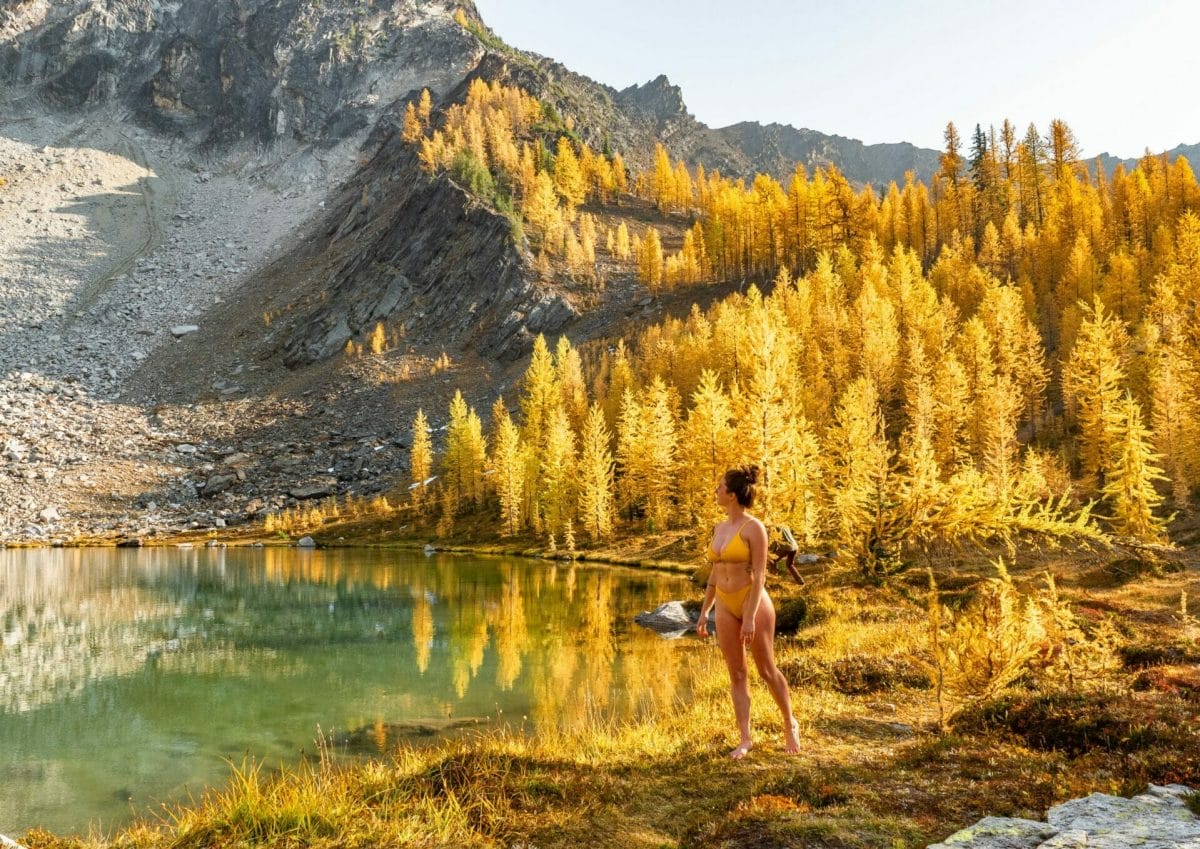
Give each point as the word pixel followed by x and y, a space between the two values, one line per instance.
pixel 134 679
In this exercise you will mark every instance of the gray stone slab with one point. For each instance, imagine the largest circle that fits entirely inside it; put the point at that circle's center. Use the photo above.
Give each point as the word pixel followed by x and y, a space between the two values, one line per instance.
pixel 1155 820
pixel 999 833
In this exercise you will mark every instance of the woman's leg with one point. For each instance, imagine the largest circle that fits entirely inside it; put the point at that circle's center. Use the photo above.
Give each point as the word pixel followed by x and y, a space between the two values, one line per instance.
pixel 762 647
pixel 729 638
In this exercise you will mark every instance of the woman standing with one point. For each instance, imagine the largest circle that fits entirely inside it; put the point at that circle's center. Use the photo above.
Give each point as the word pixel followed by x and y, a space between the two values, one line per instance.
pixel 745 615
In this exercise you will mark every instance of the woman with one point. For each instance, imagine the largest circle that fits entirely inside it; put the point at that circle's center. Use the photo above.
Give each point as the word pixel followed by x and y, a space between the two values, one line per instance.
pixel 745 615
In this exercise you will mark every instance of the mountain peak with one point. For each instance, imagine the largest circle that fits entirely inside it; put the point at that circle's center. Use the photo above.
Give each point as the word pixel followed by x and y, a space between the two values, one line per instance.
pixel 657 98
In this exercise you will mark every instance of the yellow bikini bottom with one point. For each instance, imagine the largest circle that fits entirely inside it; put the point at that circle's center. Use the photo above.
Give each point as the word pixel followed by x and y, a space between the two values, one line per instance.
pixel 733 601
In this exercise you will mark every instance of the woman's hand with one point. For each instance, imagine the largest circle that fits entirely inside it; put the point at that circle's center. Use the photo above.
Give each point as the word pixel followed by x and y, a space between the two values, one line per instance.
pixel 747 630
pixel 702 624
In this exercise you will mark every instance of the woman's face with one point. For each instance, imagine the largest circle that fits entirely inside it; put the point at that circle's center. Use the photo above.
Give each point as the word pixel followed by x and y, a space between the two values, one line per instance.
pixel 724 496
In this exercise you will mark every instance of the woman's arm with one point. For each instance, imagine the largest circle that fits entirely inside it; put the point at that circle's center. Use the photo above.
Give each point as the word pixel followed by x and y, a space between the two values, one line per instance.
pixel 756 541
pixel 710 596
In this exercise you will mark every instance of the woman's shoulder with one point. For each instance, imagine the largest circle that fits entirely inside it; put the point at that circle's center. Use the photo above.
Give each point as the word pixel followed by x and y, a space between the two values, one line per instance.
pixel 754 525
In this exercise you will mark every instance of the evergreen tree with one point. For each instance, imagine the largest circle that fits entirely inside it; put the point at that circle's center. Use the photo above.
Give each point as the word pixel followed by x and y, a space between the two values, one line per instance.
pixel 1031 156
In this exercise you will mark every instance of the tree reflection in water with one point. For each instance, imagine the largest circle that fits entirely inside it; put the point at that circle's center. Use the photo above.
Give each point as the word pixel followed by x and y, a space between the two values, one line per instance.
pixel 145 668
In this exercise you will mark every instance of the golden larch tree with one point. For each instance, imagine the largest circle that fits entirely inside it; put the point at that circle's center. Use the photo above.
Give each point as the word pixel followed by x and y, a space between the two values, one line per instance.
pixel 1130 485
pixel 595 476
pixel 508 469
pixel 707 449
pixel 1093 383
pixel 556 473
pixel 420 461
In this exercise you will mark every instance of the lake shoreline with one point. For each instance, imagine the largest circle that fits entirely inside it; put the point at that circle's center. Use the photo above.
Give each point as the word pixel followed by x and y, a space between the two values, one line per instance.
pixel 633 555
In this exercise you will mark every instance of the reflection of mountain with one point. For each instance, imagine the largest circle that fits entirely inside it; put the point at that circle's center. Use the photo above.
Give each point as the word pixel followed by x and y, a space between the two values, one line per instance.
pixel 58 635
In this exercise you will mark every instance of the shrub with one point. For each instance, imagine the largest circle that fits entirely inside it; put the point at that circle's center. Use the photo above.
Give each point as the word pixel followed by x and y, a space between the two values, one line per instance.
pixel 473 176
pixel 1001 636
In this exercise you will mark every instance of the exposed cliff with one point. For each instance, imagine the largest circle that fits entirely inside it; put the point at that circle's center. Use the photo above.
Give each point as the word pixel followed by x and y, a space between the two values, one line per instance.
pixel 222 71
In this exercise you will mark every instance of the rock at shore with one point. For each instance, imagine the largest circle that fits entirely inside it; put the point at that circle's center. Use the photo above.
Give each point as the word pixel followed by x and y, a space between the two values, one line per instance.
pixel 671 619
pixel 1157 819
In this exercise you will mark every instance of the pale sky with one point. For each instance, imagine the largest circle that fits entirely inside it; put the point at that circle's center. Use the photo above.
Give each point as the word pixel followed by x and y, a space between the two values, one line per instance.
pixel 1124 75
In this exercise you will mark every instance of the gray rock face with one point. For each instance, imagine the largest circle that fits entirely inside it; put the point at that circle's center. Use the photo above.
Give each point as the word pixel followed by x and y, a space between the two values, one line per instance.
pixel 403 245
pixel 226 71
pixel 1157 819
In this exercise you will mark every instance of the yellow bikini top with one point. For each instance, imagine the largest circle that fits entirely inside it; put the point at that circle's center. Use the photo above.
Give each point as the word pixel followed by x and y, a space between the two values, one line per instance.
pixel 735 550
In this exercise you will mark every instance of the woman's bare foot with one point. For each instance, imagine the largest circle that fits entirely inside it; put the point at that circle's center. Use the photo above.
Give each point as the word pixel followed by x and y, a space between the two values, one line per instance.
pixel 741 751
pixel 791 737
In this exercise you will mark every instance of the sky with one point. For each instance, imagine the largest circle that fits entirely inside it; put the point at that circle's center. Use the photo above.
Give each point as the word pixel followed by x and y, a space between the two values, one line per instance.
pixel 1123 75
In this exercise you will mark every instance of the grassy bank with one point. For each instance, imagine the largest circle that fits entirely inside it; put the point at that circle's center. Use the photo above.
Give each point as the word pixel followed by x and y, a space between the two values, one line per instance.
pixel 1108 702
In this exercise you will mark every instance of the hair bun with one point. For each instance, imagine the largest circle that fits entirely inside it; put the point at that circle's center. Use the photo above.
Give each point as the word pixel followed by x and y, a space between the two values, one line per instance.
pixel 752 473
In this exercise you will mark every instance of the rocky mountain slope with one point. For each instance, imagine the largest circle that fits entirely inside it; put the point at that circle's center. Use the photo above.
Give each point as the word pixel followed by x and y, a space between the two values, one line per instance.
pixel 1190 151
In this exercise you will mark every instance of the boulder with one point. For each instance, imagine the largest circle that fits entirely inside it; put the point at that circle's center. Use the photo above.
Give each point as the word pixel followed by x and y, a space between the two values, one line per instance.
pixel 1157 819
pixel 217 484
pixel 319 488
pixel 671 619
pixel 306 542
pixel 999 833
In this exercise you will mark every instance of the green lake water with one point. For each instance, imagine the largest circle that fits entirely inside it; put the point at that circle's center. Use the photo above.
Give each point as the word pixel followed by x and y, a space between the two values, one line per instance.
pixel 132 678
